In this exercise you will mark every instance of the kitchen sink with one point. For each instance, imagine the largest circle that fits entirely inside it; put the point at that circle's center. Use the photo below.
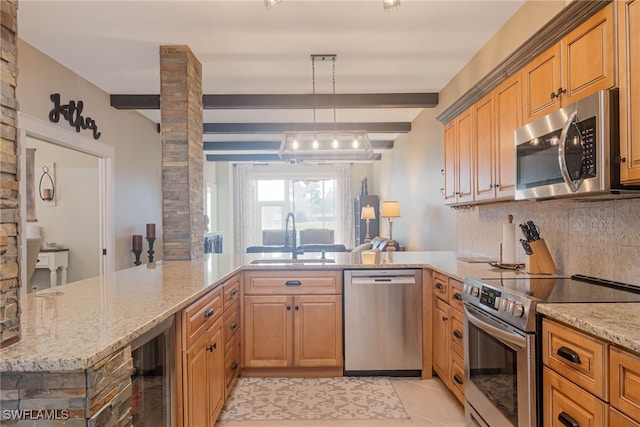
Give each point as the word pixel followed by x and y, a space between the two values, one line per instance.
pixel 293 261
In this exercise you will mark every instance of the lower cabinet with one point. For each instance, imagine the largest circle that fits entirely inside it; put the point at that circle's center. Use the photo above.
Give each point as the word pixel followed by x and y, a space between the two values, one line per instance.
pixel 292 320
pixel 208 354
pixel 587 381
pixel 448 333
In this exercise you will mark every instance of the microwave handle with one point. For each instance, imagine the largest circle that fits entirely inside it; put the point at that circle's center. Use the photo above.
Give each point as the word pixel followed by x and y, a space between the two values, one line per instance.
pixel 562 157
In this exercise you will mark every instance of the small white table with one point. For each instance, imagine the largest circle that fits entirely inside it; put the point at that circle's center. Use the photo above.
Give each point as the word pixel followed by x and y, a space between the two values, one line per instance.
pixel 54 259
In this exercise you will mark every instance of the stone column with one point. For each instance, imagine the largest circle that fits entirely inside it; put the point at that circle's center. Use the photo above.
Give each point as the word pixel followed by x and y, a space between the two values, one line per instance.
pixel 9 209
pixel 182 153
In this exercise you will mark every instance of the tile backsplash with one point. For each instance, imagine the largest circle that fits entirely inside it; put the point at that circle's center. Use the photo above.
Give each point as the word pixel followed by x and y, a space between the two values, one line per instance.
pixel 594 238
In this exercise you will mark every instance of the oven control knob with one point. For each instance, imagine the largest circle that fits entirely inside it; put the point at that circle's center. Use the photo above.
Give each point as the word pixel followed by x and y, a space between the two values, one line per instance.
pixel 518 310
pixel 496 303
pixel 510 306
pixel 503 304
pixel 475 291
pixel 465 289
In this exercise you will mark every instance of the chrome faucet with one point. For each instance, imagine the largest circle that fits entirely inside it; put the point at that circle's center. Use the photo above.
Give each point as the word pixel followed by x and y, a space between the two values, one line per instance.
pixel 294 247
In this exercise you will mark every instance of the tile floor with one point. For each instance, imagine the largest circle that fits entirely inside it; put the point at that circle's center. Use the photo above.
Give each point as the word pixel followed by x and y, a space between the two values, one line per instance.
pixel 428 403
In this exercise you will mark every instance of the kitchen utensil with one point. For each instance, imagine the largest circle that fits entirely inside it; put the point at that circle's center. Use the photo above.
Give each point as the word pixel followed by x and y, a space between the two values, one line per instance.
pixel 534 231
pixel 526 232
pixel 526 246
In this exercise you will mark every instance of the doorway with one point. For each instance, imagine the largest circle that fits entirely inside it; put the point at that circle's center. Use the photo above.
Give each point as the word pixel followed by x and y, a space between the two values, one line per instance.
pixel 79 219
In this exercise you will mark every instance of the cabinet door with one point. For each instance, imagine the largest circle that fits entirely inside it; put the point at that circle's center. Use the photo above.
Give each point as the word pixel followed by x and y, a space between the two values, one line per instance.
pixel 465 156
pixel 267 331
pixel 483 147
pixel 441 331
pixel 215 371
pixel 195 387
pixel 449 171
pixel 541 80
pixel 508 118
pixel 625 382
pixel 588 57
pixel 628 48
pixel 617 419
pixel 318 330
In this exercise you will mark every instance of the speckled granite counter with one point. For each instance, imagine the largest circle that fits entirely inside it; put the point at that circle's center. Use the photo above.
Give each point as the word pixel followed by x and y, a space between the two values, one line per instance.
pixel 618 323
pixel 92 318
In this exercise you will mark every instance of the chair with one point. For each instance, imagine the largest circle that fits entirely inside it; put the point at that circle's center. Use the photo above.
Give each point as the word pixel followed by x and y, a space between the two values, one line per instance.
pixel 273 237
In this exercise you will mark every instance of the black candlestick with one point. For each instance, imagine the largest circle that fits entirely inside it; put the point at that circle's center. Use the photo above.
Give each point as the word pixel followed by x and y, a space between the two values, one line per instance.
pixel 151 251
pixel 137 253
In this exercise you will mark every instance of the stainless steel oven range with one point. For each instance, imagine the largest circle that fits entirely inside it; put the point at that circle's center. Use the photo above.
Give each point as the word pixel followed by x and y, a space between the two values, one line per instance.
pixel 501 342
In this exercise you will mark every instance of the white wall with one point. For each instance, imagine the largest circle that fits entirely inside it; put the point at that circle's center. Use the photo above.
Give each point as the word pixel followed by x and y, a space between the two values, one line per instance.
pixel 138 147
pixel 73 221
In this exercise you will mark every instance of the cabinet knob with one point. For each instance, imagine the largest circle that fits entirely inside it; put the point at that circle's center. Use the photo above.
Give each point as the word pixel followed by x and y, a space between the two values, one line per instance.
pixel 208 313
pixel 457 334
pixel 297 307
pixel 212 347
pixel 457 379
pixel 234 365
pixel 445 318
pixel 288 308
pixel 234 292
pixel 234 325
pixel 442 191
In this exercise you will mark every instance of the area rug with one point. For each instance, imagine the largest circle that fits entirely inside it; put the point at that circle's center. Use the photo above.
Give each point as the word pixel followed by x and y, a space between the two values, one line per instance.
pixel 346 398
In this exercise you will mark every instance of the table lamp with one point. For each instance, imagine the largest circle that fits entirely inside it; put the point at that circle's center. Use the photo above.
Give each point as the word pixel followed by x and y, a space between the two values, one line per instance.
pixel 390 209
pixel 368 213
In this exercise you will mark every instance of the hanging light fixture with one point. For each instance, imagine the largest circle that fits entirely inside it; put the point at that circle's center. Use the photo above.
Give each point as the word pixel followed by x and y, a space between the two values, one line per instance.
pixel 349 145
pixel 389 5
pixel 271 3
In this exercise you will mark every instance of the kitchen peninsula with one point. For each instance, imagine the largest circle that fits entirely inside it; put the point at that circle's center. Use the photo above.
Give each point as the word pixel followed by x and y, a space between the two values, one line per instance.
pixel 83 331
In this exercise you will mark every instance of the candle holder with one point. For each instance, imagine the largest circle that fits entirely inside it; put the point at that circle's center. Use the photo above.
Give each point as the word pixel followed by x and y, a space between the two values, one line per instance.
pixel 137 253
pixel 151 251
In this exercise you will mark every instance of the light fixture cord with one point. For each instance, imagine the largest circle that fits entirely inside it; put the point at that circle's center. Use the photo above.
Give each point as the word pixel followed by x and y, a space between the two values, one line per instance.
pixel 334 94
pixel 313 79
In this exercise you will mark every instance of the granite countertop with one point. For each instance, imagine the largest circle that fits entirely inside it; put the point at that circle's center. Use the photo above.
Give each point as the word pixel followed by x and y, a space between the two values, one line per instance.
pixel 73 326
pixel 615 322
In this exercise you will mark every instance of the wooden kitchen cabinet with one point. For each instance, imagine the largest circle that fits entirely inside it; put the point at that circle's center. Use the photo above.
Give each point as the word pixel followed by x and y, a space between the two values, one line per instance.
pixel 458 157
pixel 292 320
pixel 625 382
pixel 448 333
pixel 629 66
pixel 582 63
pixel 203 374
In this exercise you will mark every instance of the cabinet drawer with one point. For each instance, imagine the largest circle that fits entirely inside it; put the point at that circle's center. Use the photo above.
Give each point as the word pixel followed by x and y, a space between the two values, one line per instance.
pixel 455 295
pixel 457 331
pixel 231 291
pixel 625 382
pixel 441 286
pixel 231 323
pixel 618 419
pixel 563 400
pixel 232 364
pixel 577 356
pixel 456 376
pixel 43 260
pixel 293 282
pixel 200 315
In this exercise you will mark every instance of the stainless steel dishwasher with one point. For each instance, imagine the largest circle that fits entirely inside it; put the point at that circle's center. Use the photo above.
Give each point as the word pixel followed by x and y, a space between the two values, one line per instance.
pixel 383 322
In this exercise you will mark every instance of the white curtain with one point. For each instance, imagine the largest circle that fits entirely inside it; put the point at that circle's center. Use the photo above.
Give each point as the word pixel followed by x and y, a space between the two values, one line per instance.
pixel 344 226
pixel 244 209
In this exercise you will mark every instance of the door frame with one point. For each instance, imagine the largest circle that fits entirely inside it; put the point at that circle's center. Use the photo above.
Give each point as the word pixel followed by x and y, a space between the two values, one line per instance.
pixel 29 126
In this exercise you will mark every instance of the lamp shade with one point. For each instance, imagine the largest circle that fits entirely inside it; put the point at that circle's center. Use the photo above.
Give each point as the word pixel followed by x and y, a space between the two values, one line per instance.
pixel 368 212
pixel 390 209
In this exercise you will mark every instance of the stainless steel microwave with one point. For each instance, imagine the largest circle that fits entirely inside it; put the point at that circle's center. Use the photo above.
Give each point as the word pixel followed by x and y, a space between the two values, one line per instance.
pixel 572 152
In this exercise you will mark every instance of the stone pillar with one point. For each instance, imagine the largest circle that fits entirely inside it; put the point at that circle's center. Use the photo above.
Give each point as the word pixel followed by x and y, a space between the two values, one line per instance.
pixel 9 209
pixel 182 153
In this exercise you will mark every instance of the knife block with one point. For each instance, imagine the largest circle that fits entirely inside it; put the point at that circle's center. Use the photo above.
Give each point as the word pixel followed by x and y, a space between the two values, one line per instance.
pixel 540 261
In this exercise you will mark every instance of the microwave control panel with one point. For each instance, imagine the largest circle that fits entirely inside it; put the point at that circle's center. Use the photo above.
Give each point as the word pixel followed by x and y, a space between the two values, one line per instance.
pixel 584 140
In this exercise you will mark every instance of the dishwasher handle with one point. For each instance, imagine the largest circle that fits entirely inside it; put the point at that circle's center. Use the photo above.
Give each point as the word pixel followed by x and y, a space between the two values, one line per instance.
pixel 384 280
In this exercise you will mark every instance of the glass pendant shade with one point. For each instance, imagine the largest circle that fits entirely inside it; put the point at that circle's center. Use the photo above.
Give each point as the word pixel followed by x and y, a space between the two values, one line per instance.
pixel 390 5
pixel 327 145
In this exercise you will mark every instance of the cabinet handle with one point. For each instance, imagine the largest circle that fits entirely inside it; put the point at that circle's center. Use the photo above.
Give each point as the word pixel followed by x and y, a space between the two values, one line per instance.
pixel 293 283
pixel 621 159
pixel 457 296
pixel 457 379
pixel 234 365
pixel 297 307
pixel 560 92
pixel 234 325
pixel 439 287
pixel 567 420
pixel 445 318
pixel 234 292
pixel 442 172
pixel 442 191
pixel 568 354
pixel 212 347
pixel 457 334
pixel 288 308
pixel 208 313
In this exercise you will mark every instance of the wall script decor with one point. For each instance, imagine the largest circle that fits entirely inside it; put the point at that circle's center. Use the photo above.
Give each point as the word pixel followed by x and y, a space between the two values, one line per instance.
pixel 72 112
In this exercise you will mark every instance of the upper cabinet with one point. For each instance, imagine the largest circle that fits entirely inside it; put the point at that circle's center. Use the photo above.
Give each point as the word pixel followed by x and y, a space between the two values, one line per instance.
pixel 458 159
pixel 582 63
pixel 629 66
pixel 496 117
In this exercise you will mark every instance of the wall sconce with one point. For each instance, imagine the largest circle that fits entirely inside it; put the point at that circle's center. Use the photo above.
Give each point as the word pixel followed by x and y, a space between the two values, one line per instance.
pixel 368 213
pixel 390 210
pixel 47 185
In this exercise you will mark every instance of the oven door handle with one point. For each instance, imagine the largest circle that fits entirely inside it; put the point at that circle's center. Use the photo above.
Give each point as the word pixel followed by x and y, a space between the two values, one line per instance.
pixel 496 331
